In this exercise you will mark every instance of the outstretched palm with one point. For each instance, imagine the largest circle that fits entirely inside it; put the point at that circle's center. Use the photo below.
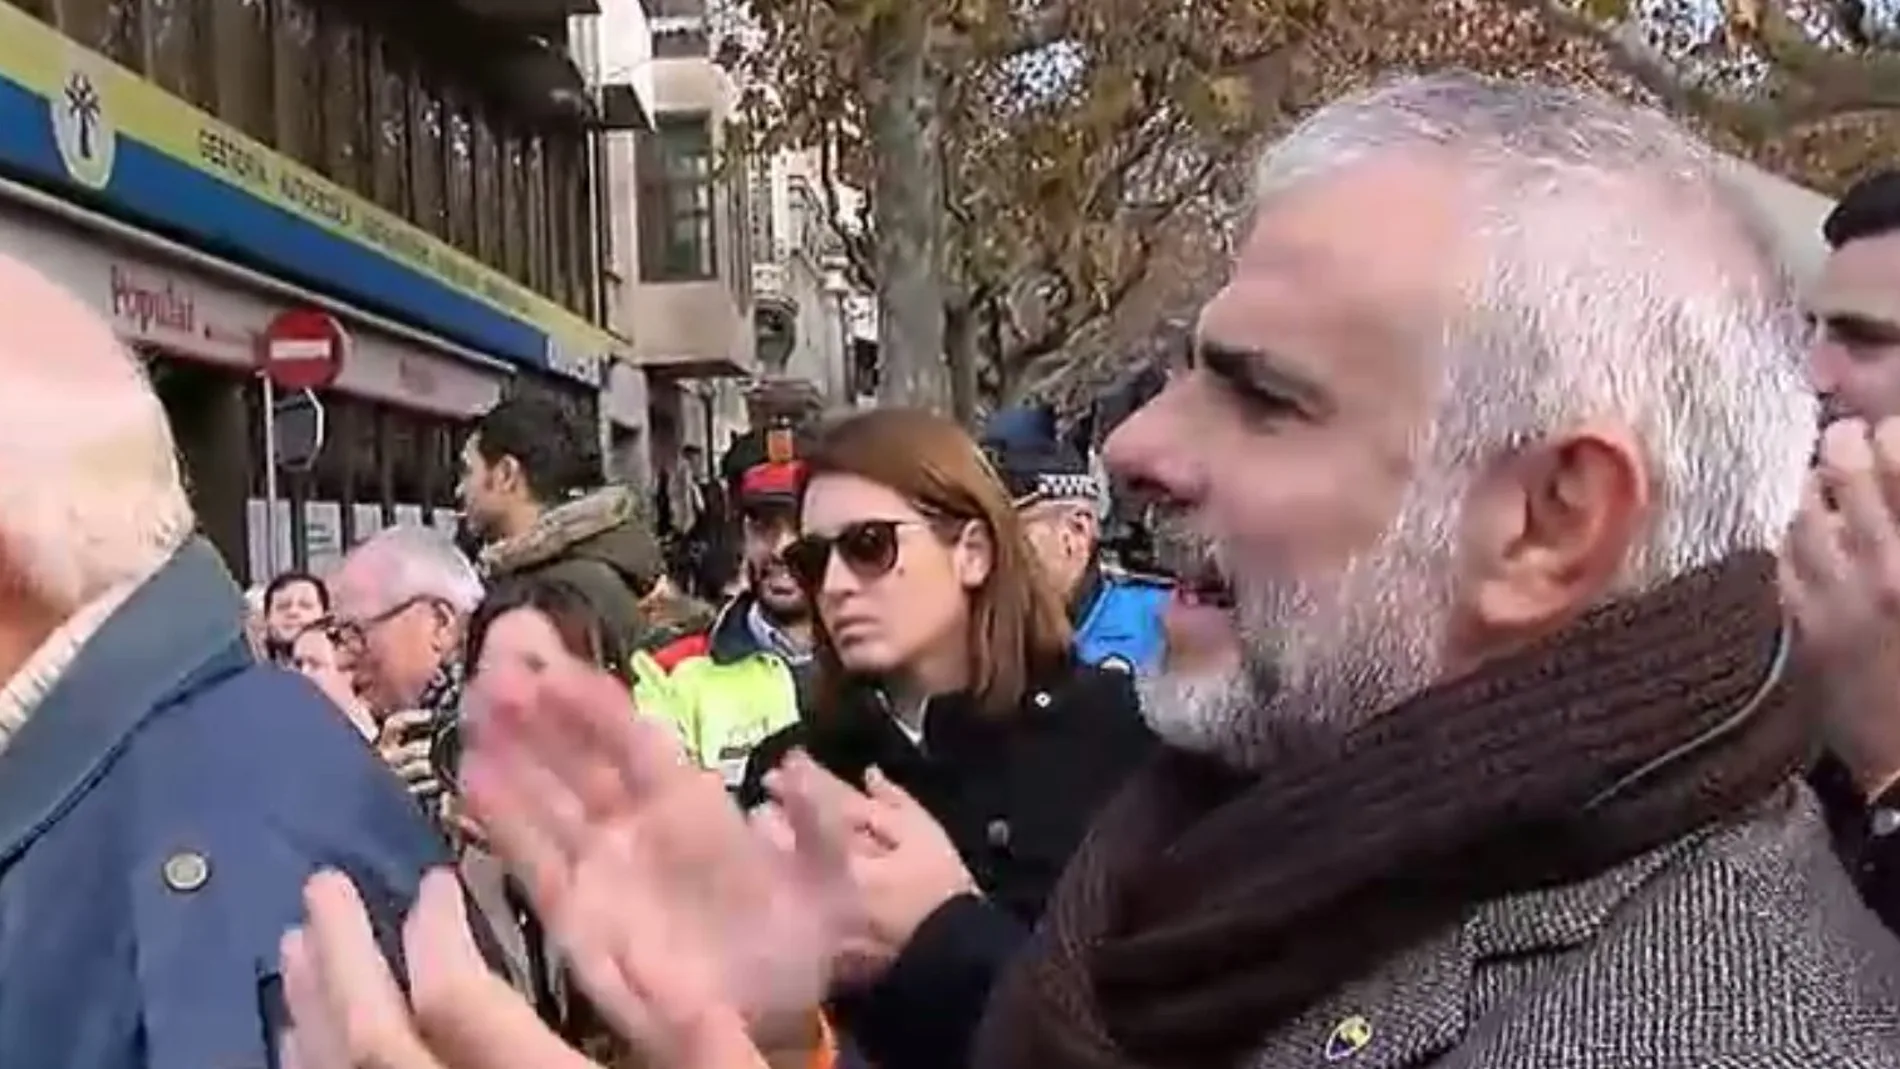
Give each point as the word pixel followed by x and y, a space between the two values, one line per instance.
pixel 591 804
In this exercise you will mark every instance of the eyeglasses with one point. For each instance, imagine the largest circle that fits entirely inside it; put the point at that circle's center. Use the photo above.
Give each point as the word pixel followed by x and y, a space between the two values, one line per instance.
pixel 867 547
pixel 351 635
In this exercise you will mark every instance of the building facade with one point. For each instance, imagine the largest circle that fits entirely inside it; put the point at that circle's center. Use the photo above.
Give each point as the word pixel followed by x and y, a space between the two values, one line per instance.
pixel 677 240
pixel 423 174
pixel 814 324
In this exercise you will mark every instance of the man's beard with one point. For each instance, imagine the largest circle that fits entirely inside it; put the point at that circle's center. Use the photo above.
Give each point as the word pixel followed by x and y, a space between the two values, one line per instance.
pixel 1321 655
pixel 785 612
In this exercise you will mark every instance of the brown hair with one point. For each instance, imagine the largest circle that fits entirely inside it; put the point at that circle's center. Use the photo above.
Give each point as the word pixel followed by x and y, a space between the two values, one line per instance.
pixel 1018 626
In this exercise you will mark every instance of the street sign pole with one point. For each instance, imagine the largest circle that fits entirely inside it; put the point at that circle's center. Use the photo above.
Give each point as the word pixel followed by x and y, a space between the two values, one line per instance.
pixel 271 564
pixel 303 349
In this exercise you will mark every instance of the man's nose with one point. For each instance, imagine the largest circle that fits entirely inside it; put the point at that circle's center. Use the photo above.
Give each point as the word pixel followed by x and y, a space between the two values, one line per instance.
pixel 1148 455
pixel 1826 362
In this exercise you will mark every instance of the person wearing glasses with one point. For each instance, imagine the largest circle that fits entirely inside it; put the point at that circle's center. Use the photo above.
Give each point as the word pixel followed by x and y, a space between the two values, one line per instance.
pixel 948 692
pixel 400 604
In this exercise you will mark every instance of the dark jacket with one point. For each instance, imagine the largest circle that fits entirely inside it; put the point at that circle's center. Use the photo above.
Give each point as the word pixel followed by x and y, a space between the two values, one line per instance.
pixel 1866 838
pixel 160 811
pixel 602 545
pixel 1014 795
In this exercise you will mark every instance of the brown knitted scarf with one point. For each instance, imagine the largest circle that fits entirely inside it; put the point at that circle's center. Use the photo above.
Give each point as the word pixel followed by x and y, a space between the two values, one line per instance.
pixel 1206 909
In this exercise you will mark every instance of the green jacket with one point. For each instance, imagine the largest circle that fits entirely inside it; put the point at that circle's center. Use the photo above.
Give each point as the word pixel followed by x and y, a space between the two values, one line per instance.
pixel 602 545
pixel 721 690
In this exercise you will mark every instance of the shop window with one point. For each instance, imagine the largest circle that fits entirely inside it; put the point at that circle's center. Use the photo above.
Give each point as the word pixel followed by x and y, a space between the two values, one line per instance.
pixel 537 213
pixel 299 81
pixel 332 478
pixel 391 109
pixel 676 201
pixel 246 91
pixel 461 178
pixel 488 194
pixel 405 458
pixel 347 124
pixel 427 155
pixel 111 28
pixel 177 33
pixel 514 200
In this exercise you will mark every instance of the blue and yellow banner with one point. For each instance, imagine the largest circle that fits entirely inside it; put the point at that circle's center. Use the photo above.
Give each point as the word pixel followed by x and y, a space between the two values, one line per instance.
pixel 71 118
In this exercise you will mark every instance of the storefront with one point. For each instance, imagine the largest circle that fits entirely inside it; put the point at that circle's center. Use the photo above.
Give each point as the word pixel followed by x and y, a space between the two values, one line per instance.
pixel 96 162
pixel 394 414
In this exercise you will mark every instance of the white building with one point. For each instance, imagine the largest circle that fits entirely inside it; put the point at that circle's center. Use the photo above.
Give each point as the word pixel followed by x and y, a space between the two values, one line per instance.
pixel 811 318
pixel 675 238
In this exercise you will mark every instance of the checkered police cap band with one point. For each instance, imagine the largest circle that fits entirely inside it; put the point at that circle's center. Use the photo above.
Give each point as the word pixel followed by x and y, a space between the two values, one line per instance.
pixel 1065 487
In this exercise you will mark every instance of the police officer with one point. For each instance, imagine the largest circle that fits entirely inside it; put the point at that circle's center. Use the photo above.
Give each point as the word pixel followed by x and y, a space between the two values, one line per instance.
pixel 1116 615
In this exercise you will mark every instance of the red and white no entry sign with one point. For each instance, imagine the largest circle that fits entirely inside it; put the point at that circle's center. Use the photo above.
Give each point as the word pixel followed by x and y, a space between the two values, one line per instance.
pixel 303 349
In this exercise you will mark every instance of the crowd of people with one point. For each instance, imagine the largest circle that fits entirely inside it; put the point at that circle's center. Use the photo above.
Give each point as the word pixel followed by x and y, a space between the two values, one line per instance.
pixel 1524 691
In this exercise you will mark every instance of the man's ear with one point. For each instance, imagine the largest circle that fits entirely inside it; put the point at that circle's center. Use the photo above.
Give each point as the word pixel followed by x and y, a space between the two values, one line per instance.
pixel 448 628
pixel 974 554
pixel 1553 529
pixel 507 475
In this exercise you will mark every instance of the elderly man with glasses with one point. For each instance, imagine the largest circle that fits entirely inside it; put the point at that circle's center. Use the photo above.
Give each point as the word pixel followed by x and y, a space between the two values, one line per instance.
pixel 399 602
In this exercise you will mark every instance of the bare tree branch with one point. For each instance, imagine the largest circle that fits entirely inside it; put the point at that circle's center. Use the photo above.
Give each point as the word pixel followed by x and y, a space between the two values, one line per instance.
pixel 855 241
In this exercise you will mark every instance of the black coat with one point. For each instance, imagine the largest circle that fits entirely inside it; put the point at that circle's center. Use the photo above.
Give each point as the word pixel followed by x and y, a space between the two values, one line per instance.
pixel 1865 838
pixel 1015 796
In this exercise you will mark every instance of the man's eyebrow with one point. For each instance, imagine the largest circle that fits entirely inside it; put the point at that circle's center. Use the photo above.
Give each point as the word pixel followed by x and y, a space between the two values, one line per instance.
pixel 1262 371
pixel 1861 324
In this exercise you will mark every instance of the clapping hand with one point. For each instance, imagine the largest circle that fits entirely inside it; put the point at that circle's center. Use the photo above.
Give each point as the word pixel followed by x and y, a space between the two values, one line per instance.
pixel 589 802
pixel 1840 578
pixel 901 865
pixel 347 1012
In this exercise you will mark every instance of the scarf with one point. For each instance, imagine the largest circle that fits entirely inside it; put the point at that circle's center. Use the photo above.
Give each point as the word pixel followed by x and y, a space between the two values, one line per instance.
pixel 1207 908
pixel 46 666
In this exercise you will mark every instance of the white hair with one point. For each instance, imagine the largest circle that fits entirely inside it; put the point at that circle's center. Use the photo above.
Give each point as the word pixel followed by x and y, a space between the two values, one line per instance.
pixel 1622 276
pixel 92 497
pixel 412 562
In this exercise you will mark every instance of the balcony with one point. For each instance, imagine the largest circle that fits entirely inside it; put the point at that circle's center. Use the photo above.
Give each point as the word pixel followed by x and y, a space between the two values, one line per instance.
pixel 615 53
pixel 691 329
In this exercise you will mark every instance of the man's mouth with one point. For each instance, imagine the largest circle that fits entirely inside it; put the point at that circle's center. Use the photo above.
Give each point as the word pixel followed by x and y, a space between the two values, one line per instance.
pixel 1206 587
pixel 1190 558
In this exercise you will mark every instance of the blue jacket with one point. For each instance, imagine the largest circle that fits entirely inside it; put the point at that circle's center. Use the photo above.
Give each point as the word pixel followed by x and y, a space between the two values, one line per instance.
pixel 159 813
pixel 1117 621
pixel 1021 428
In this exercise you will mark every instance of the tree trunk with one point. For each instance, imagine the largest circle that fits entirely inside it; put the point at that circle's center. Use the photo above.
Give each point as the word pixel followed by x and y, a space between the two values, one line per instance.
pixel 963 343
pixel 907 181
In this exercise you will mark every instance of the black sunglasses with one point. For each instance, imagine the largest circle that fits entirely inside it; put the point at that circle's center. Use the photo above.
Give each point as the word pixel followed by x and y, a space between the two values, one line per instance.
pixel 867 547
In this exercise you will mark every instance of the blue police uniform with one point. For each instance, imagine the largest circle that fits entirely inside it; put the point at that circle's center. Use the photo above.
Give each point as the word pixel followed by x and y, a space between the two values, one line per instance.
pixel 1116 616
pixel 160 810
pixel 1118 624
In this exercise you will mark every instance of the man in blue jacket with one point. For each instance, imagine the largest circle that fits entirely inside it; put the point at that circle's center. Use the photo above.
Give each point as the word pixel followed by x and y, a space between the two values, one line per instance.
pixel 1116 614
pixel 163 797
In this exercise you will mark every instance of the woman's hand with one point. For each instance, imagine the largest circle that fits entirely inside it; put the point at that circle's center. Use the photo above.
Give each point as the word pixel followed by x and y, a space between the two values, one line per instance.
pixel 902 866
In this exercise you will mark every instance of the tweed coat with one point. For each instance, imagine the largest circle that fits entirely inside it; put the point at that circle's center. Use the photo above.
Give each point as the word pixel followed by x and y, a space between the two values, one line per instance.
pixel 1744 946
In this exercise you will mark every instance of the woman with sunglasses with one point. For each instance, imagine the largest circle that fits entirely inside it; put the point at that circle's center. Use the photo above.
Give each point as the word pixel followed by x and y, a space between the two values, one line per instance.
pixel 945 668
